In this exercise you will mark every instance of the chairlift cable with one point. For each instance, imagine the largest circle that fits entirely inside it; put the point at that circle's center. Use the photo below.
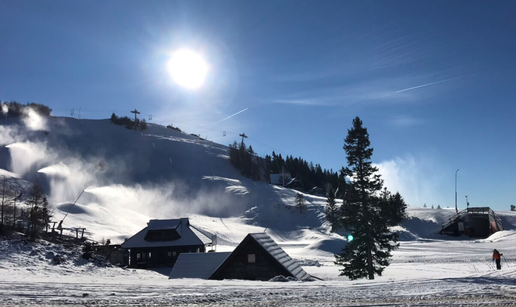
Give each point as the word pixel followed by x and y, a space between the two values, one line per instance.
pixel 72 206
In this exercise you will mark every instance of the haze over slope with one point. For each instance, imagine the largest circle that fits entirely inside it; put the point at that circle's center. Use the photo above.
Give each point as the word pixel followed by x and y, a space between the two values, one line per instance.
pixel 129 177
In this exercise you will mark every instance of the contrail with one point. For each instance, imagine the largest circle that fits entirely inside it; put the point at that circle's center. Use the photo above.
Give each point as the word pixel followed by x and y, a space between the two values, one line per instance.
pixel 229 117
pixel 428 84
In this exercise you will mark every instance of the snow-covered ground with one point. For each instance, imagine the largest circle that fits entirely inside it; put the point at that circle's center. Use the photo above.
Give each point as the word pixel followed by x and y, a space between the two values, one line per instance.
pixel 130 177
pixel 423 273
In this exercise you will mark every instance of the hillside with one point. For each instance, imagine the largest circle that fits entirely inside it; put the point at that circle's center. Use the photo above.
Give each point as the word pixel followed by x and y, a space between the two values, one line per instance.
pixel 129 177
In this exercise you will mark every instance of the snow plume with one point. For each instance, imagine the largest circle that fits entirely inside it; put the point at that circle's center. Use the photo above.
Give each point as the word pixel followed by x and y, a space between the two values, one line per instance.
pixel 33 120
pixel 67 181
pixel 8 135
pixel 416 179
pixel 5 108
pixel 28 157
pixel 148 200
pixel 170 200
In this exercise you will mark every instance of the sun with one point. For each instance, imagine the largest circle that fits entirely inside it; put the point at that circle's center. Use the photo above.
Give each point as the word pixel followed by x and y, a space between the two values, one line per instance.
pixel 188 69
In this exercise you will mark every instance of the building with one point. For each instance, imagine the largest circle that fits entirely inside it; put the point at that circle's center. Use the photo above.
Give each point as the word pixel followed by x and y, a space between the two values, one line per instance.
pixel 473 222
pixel 162 241
pixel 280 179
pixel 317 191
pixel 295 184
pixel 257 257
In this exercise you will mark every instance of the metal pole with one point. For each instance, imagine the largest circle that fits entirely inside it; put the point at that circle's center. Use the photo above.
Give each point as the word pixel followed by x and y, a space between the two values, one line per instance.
pixel 456 210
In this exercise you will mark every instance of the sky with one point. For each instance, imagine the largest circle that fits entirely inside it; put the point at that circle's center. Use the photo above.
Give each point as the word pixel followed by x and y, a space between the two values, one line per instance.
pixel 433 81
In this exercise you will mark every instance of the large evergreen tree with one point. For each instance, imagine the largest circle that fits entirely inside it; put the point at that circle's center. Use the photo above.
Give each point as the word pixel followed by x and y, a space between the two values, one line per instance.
pixel 368 254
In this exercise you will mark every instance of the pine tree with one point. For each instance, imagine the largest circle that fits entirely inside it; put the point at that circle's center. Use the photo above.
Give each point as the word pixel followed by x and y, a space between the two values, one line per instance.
pixel 332 210
pixel 300 203
pixel 393 208
pixel 114 118
pixel 368 254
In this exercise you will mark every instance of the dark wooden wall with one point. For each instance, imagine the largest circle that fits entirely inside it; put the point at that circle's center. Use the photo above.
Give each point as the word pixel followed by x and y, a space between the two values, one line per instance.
pixel 159 255
pixel 238 267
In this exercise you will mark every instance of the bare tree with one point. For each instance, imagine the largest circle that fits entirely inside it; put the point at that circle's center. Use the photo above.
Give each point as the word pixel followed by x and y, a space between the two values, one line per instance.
pixel 39 215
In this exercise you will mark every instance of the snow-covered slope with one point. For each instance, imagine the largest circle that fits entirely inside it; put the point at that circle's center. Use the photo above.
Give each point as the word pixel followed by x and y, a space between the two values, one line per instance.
pixel 127 177
pixel 130 177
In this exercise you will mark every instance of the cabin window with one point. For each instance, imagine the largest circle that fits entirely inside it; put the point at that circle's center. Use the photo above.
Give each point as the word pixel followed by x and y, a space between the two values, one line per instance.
pixel 138 256
pixel 150 255
pixel 174 254
pixel 169 254
pixel 251 258
pixel 162 235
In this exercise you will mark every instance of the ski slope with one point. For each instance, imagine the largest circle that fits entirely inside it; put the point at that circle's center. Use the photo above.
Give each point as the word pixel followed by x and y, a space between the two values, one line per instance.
pixel 128 177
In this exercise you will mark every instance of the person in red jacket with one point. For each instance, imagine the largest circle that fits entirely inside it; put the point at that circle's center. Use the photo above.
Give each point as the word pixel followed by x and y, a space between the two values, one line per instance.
pixel 496 257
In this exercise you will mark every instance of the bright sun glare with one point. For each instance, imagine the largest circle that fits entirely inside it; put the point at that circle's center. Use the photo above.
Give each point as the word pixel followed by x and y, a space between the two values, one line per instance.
pixel 188 69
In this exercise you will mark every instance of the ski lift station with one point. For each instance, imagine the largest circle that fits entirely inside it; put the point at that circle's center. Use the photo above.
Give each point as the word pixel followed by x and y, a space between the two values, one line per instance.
pixel 473 222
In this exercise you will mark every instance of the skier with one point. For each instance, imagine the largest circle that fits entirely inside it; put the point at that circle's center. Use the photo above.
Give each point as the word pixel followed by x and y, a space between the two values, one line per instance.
pixel 496 257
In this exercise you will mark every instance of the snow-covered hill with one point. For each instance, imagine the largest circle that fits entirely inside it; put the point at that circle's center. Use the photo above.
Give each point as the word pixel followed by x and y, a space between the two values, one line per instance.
pixel 129 177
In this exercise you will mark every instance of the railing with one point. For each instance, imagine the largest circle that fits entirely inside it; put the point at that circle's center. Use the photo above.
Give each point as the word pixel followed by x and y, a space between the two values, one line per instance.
pixel 454 218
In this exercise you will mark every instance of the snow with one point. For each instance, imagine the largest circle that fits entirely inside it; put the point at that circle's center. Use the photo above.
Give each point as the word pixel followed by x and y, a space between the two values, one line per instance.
pixel 130 177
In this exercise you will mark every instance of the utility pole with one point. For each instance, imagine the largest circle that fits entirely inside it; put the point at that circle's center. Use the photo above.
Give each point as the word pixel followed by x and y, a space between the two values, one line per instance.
pixel 243 137
pixel 135 119
pixel 456 210
pixel 467 202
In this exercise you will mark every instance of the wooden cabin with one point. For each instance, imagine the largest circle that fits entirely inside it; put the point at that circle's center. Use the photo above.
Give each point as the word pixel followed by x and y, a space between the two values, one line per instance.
pixel 257 257
pixel 162 241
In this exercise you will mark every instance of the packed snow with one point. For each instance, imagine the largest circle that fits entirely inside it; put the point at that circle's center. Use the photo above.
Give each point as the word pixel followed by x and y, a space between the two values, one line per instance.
pixel 131 177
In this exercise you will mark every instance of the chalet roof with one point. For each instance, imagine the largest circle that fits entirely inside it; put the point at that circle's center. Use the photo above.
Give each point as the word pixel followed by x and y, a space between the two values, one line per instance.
pixel 197 265
pixel 294 183
pixel 278 178
pixel 280 255
pixel 204 238
pixel 163 224
pixel 271 247
pixel 188 236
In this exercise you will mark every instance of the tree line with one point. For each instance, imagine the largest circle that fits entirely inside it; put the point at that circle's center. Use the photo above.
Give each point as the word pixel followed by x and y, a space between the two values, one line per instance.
pixel 129 123
pixel 16 109
pixel 309 175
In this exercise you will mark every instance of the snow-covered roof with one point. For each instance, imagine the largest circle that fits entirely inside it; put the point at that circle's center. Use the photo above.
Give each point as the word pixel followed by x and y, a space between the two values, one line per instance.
pixel 197 265
pixel 188 236
pixel 280 178
pixel 204 238
pixel 280 255
pixel 163 224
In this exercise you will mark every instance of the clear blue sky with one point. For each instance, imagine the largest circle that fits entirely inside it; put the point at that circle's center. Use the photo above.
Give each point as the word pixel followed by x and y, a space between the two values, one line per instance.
pixel 433 81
